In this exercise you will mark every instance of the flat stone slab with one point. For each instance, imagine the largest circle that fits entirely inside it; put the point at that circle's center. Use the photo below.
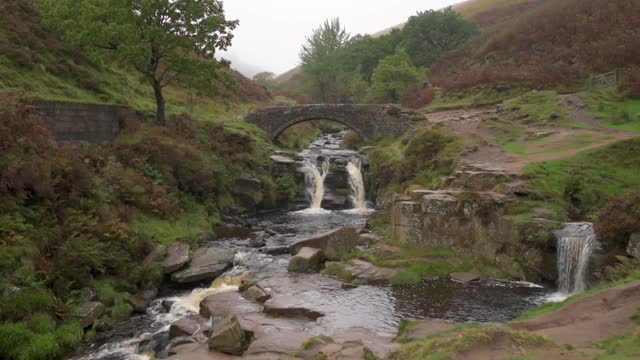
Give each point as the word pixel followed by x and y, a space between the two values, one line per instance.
pixel 290 306
pixel 189 326
pixel 178 255
pixel 465 277
pixel 198 352
pixel 223 304
pixel 334 243
pixel 280 159
pixel 368 272
pixel 276 346
pixel 306 260
pixel 424 328
pixel 207 264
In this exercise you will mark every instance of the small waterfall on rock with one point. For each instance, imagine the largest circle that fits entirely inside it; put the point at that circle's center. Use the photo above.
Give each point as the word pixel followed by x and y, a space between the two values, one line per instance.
pixel 575 245
pixel 358 196
pixel 314 183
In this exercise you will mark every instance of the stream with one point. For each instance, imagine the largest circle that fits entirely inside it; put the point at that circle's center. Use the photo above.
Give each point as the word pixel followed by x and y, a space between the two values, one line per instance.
pixel 378 309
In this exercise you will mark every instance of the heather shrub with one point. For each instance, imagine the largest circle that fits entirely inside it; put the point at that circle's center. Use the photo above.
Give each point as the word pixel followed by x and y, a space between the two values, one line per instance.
pixel 351 140
pixel 417 96
pixel 618 220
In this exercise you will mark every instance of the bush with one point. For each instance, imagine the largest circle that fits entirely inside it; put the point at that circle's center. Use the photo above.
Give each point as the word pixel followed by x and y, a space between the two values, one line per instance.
pixel 618 220
pixel 26 302
pixel 41 347
pixel 69 335
pixel 12 339
pixel 351 140
pixel 417 96
pixel 41 323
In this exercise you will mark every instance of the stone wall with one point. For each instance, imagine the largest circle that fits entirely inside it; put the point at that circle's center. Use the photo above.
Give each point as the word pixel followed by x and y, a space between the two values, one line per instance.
pixel 368 120
pixel 475 223
pixel 68 121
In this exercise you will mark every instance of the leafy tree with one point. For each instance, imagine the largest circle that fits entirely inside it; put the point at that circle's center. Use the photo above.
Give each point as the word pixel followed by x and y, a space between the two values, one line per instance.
pixel 362 53
pixel 164 40
pixel 429 34
pixel 264 78
pixel 393 75
pixel 319 58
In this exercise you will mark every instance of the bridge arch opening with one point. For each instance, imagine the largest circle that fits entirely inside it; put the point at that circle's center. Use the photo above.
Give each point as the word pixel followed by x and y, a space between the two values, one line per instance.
pixel 302 125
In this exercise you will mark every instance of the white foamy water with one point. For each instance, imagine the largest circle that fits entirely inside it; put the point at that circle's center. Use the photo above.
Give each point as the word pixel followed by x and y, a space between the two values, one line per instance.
pixel 575 246
pixel 314 183
pixel 358 195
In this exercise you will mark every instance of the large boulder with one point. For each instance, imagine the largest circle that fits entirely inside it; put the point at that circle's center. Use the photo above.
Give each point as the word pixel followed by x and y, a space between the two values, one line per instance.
pixel 247 191
pixel 158 253
pixel 178 255
pixel 306 260
pixel 228 337
pixel 207 264
pixel 633 248
pixel 88 313
pixel 278 345
pixel 189 326
pixel 290 306
pixel 256 293
pixel 334 243
pixel 227 303
pixel 141 301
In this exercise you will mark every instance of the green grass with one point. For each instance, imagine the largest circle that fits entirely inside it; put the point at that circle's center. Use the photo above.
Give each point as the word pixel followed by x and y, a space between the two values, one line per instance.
pixel 602 173
pixel 620 347
pixel 615 111
pixel 472 97
pixel 539 105
pixel 186 226
pixel 338 271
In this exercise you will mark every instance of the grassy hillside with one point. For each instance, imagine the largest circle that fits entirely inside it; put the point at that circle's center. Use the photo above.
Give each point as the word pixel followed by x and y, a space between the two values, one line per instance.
pixel 37 61
pixel 550 43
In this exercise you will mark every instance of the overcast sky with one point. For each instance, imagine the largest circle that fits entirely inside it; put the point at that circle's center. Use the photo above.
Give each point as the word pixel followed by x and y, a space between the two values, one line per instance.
pixel 271 32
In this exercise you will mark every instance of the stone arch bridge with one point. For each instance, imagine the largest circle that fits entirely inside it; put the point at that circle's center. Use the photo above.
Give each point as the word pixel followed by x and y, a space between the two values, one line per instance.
pixel 367 120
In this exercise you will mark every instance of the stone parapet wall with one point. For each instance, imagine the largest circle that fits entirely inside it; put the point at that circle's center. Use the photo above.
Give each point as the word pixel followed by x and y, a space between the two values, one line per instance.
pixel 69 121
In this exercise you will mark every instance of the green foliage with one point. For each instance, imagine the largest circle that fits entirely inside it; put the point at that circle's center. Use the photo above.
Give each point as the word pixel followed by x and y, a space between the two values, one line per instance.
pixel 13 338
pixel 538 105
pixel 616 112
pixel 421 158
pixel 319 58
pixel 620 347
pixel 338 271
pixel 602 173
pixel 265 79
pixel 393 75
pixel 17 342
pixel 429 34
pixel 25 302
pixel 157 38
pixel 69 335
pixel 40 323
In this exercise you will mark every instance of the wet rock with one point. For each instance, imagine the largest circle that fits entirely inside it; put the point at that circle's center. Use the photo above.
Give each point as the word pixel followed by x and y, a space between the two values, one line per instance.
pixel 228 230
pixel 228 337
pixel 166 305
pixel 306 260
pixel 189 326
pixel 205 237
pixel 349 286
pixel 633 248
pixel 334 201
pixel 197 351
pixel 207 264
pixel 258 240
pixel 368 273
pixel 256 293
pixel 88 313
pixel 247 191
pixel 276 346
pixel 503 87
pixel 155 344
pixel 465 277
pixel 88 294
pixel 282 160
pixel 290 306
pixel 554 116
pixel 178 255
pixel 334 243
pixel 140 302
pixel 276 250
pixel 158 253
pixel 223 304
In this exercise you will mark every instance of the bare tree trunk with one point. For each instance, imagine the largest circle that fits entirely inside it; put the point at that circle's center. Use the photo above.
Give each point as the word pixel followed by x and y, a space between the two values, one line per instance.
pixel 157 90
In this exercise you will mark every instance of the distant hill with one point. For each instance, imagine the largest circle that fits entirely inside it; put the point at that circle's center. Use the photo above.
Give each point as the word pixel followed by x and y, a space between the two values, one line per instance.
pixel 469 9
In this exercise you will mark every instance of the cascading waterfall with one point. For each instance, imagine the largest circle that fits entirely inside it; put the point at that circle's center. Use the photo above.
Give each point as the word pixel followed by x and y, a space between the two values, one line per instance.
pixel 358 195
pixel 575 246
pixel 314 183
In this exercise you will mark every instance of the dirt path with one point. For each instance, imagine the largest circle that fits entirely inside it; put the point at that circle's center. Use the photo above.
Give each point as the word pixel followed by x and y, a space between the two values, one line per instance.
pixel 562 142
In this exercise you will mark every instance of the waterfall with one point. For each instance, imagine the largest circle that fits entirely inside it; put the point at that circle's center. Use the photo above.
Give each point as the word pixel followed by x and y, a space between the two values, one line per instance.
pixel 354 168
pixel 314 183
pixel 575 245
